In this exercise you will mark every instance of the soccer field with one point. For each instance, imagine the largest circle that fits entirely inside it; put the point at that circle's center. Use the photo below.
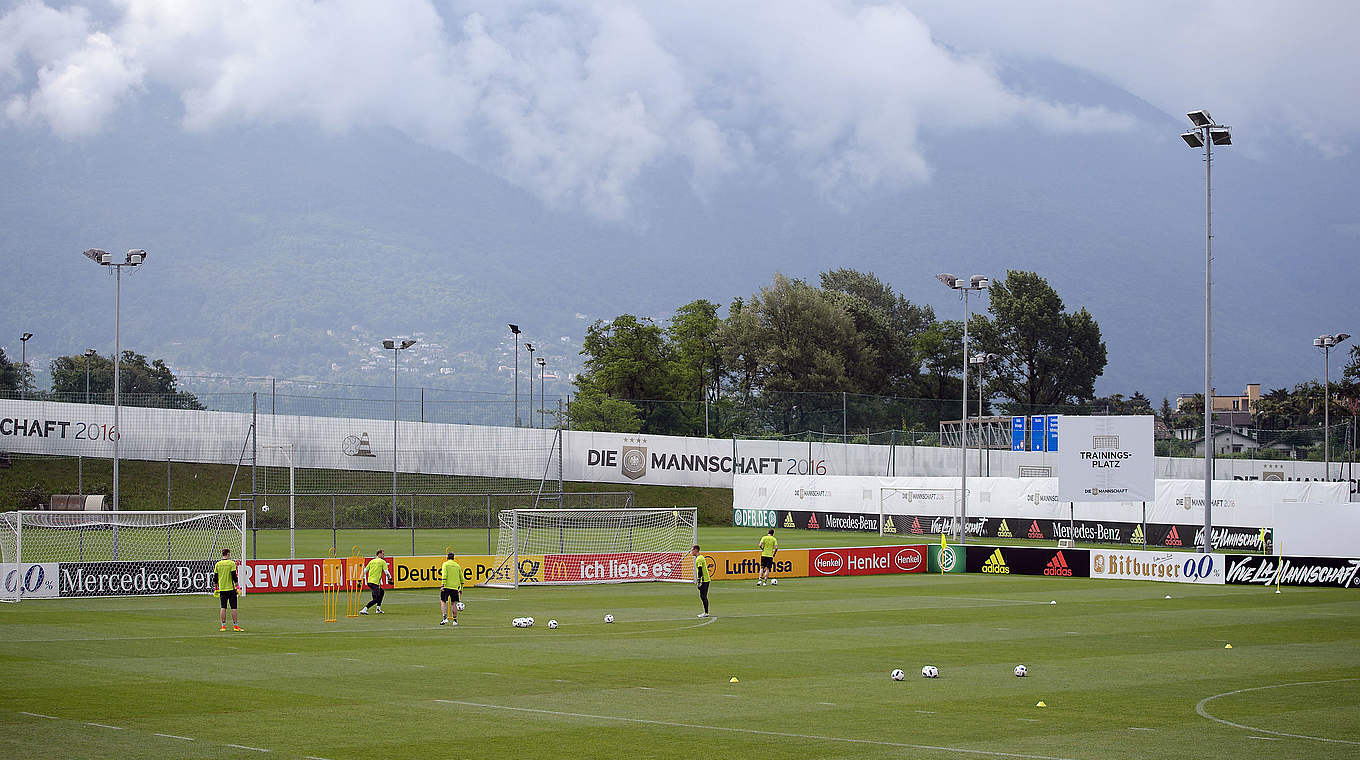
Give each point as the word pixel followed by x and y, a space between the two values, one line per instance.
pixel 1124 672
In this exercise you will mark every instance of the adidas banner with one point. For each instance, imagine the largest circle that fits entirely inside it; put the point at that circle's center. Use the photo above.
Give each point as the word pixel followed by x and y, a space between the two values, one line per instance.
pixel 1023 560
pixel 1257 570
pixel 1168 567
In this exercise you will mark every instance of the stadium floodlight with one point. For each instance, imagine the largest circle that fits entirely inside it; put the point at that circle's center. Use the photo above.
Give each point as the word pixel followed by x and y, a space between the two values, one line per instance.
pixel 515 329
pixel 395 347
pixel 23 362
pixel 980 361
pixel 530 348
pixel 1326 343
pixel 134 258
pixel 542 399
pixel 80 458
pixel 977 283
pixel 1206 134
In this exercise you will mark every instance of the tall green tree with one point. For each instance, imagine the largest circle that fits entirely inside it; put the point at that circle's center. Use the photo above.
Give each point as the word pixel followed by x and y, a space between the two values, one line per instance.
pixel 694 333
pixel 940 348
pixel 887 324
pixel 12 374
pixel 629 359
pixel 140 383
pixel 1048 355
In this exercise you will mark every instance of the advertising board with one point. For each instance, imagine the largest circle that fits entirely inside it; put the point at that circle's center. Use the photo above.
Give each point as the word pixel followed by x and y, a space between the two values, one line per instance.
pixel 1169 567
pixel 1024 560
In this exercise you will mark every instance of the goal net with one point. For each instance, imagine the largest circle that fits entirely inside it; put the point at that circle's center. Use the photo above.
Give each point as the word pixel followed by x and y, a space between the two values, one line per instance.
pixel 125 553
pixel 918 511
pixel 575 546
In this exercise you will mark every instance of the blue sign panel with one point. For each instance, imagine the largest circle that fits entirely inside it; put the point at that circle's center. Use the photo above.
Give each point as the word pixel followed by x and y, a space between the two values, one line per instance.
pixel 1036 433
pixel 1017 434
pixel 1052 432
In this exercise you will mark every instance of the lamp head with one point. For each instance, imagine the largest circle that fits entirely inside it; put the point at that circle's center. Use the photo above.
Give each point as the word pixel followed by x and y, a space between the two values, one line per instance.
pixel 514 329
pixel 949 280
pixel 1192 139
pixel 136 256
pixel 542 361
pixel 1200 118
pixel 90 352
pixel 529 346
pixel 98 256
pixel 1220 135
pixel 1340 337
pixel 389 344
pixel 979 281
pixel 408 343
pixel 25 337
pixel 1320 341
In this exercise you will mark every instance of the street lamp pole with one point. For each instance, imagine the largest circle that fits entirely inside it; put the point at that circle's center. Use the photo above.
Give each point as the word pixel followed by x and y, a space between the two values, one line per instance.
pixel 981 360
pixel 1326 342
pixel 515 329
pixel 80 460
pixel 396 346
pixel 977 283
pixel 133 258
pixel 23 361
pixel 530 348
pixel 1206 134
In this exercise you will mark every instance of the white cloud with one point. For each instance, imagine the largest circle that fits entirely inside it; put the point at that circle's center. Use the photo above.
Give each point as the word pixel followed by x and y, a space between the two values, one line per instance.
pixel 576 101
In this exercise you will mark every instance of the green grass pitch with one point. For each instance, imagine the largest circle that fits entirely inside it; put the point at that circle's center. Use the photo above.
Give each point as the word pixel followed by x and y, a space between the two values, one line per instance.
pixel 1124 672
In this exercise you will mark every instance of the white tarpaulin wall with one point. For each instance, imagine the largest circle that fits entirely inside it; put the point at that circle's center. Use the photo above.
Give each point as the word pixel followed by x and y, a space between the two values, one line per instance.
pixel 1317 530
pixel 62 429
pixel 1238 503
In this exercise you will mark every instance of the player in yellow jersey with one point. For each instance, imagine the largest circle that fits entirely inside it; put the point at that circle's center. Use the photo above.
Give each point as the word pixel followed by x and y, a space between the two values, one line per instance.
pixel 452 573
pixel 374 573
pixel 769 546
pixel 702 575
pixel 227 588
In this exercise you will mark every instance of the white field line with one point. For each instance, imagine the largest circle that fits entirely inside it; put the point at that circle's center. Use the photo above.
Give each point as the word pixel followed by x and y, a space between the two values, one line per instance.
pixel 752 731
pixel 1199 708
pixel 103 725
pixel 39 715
pixel 173 736
pixel 242 746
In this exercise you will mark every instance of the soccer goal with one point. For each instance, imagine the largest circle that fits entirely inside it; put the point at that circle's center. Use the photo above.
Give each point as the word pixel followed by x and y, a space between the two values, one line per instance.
pixel 576 546
pixel 918 511
pixel 125 553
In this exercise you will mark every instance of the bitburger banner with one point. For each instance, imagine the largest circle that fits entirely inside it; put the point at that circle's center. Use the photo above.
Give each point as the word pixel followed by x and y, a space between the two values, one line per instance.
pixel 1258 570
pixel 1169 567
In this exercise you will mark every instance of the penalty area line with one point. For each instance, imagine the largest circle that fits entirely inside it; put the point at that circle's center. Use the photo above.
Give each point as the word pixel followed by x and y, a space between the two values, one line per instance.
pixel 751 731
pixel 1203 713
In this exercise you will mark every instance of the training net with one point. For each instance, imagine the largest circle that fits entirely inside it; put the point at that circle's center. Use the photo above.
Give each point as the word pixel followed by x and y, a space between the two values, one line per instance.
pixel 918 511
pixel 575 546
pixel 123 553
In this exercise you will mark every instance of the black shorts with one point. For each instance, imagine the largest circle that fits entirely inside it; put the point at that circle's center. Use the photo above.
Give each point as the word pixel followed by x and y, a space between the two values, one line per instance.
pixel 228 598
pixel 448 594
pixel 766 563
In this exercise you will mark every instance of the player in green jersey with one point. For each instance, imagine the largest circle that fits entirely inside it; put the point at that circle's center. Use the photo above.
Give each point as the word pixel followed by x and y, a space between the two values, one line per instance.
pixel 375 572
pixel 452 573
pixel 227 588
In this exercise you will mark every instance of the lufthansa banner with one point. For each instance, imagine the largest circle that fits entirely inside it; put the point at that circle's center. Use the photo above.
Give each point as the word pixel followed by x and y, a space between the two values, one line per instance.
pixel 1168 567
pixel 788 563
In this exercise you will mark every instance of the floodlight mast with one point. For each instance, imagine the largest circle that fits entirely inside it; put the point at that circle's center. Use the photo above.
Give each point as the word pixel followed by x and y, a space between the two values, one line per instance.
pixel 134 257
pixel 1206 134
pixel 395 347
pixel 1326 343
pixel 977 283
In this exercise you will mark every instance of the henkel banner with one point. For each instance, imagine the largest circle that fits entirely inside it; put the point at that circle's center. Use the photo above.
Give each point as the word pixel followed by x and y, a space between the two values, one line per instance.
pixel 36 580
pixel 867 560
pixel 1169 567
pixel 615 567
pixel 1106 459
pixel 788 563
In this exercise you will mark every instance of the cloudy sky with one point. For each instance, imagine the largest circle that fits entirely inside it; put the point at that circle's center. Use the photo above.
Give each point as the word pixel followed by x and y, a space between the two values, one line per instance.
pixel 578 104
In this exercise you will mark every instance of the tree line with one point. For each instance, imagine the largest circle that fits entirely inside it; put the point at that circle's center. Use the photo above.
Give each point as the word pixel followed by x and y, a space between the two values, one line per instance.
pixel 795 353
pixel 141 383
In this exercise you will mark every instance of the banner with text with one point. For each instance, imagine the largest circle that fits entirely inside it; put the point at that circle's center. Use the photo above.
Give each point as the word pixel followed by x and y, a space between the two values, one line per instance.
pixel 867 560
pixel 744 565
pixel 613 567
pixel 1106 459
pixel 1170 567
pixel 36 580
pixel 1258 570
pixel 1023 560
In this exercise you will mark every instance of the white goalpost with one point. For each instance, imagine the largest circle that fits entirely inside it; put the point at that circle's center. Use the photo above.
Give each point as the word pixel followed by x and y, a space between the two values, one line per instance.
pixel 918 511
pixel 124 553
pixel 578 546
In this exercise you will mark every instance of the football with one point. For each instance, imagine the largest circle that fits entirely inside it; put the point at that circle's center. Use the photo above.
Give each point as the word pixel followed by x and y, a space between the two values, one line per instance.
pixel 552 623
pixel 517 622
pixel 264 508
pixel 774 581
pixel 460 606
pixel 608 618
pixel 897 674
pixel 1021 671
pixel 930 671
